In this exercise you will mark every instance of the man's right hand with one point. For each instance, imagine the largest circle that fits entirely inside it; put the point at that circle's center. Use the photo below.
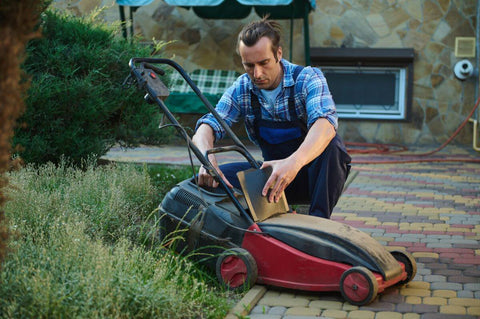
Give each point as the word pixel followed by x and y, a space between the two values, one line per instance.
pixel 205 179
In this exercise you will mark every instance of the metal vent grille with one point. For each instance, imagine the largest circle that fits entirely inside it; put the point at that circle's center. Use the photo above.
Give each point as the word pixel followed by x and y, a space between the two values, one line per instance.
pixel 465 47
pixel 187 198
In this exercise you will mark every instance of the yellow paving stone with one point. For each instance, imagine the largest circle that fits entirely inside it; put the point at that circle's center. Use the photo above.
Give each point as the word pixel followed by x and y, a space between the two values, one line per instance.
pixel 381 238
pixel 334 314
pixel 424 254
pixel 359 218
pixel 468 302
pixel 418 285
pixel 303 311
pixel 411 316
pixel 418 292
pixel 349 307
pixel 388 315
pixel 413 300
pixel 439 301
pixel 473 311
pixel 444 293
pixel 271 293
pixel 477 252
pixel 326 304
pixel 389 224
pixel 453 310
pixel 361 314
pixel 373 223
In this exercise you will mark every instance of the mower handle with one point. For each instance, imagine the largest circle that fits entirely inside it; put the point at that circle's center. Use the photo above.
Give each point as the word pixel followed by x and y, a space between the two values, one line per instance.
pixel 203 158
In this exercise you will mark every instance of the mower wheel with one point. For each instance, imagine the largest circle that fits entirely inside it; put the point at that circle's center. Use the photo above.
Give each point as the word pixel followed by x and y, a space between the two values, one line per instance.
pixel 358 286
pixel 409 262
pixel 236 269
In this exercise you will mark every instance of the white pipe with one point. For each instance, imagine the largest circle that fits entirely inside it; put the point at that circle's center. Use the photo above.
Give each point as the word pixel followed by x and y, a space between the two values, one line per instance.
pixel 475 125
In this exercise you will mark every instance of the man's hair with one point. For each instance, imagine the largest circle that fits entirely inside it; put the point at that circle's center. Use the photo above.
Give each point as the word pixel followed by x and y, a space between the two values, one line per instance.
pixel 255 30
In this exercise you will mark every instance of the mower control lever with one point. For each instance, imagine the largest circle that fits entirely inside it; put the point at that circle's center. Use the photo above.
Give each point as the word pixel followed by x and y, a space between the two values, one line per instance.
pixel 154 68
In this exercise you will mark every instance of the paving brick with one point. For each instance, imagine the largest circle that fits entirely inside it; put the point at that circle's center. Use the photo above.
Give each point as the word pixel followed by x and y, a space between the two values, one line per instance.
pixel 453 310
pixel 326 304
pixel 421 308
pixel 302 311
pixel 463 279
pixel 444 293
pixel 418 285
pixel 425 255
pixel 467 302
pixel 435 301
pixel 473 287
pixel 465 294
pixel 260 309
pixel 404 308
pixel 414 300
pixel 277 310
pixel 411 316
pixel 379 306
pixel 446 286
pixel 286 301
pixel 263 316
pixel 361 314
pixel 473 311
pixel 334 313
pixel 445 316
pixel 435 278
pixel 388 315
pixel 415 292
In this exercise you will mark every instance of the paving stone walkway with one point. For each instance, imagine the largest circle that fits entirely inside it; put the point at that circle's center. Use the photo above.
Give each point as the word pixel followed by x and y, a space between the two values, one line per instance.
pixel 431 209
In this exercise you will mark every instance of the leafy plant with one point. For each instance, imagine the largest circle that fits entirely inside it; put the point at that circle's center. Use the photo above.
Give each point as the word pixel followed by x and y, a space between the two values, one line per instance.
pixel 76 105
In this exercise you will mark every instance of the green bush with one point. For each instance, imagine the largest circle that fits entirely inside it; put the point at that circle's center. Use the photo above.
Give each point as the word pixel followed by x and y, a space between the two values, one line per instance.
pixel 77 249
pixel 76 105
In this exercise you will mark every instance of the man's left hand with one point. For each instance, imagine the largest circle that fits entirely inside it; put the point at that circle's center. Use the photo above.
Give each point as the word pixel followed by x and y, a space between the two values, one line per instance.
pixel 283 173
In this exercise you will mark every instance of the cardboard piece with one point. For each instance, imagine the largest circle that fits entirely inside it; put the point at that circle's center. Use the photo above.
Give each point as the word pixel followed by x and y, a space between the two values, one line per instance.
pixel 252 182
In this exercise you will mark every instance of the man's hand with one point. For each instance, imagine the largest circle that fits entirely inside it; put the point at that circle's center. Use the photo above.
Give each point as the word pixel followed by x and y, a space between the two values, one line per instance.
pixel 205 179
pixel 204 139
pixel 283 173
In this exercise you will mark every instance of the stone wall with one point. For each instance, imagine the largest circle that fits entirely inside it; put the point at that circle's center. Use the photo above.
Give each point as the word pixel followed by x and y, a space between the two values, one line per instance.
pixel 440 101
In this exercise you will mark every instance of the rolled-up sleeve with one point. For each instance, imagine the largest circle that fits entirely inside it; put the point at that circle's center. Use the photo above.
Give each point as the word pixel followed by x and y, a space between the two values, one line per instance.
pixel 319 101
pixel 228 110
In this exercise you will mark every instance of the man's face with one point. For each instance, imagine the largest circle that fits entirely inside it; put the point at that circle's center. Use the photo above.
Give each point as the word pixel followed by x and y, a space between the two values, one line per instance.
pixel 260 64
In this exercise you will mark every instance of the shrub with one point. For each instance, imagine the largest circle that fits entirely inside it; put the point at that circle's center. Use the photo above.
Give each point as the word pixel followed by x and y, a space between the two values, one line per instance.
pixel 76 105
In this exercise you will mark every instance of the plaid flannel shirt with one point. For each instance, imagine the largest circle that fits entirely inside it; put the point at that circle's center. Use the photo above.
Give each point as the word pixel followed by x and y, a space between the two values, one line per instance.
pixel 312 100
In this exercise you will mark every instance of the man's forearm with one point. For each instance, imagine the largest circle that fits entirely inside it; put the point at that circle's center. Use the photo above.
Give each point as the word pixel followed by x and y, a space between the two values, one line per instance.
pixel 318 137
pixel 204 138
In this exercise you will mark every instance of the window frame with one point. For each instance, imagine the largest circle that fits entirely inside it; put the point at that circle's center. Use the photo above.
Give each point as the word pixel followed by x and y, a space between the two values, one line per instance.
pixel 371 58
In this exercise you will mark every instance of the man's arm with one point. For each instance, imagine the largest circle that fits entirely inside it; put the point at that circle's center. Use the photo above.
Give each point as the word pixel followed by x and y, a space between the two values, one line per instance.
pixel 284 171
pixel 204 139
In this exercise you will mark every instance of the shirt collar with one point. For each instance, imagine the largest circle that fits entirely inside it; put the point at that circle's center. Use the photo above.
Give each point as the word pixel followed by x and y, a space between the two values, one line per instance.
pixel 287 76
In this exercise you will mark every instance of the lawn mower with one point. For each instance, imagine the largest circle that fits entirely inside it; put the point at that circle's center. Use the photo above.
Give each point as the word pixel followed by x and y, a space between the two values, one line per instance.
pixel 247 240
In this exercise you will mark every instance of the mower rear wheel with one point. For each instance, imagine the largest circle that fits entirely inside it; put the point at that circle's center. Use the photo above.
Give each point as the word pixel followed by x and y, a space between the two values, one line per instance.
pixel 236 269
pixel 409 262
pixel 358 286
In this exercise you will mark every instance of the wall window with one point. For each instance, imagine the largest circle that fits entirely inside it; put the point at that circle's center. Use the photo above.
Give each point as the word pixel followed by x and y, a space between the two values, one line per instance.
pixel 368 83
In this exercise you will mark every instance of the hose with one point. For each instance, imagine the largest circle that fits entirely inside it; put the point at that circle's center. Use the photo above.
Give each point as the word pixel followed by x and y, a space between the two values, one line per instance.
pixel 413 158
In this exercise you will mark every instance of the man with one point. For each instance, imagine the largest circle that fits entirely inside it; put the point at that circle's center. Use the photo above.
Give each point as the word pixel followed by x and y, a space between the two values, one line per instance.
pixel 290 114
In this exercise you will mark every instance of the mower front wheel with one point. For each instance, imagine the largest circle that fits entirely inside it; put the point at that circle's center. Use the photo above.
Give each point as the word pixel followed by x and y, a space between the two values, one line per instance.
pixel 409 262
pixel 359 286
pixel 236 269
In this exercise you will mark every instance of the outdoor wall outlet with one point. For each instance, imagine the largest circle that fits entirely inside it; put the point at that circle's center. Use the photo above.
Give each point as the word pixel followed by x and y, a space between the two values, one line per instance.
pixel 465 47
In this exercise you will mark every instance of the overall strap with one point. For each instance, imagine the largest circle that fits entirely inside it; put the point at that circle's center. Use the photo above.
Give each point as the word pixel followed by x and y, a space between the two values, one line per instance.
pixel 291 99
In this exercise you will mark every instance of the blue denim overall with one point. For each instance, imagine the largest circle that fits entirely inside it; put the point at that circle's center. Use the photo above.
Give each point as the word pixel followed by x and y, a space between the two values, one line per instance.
pixel 319 183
